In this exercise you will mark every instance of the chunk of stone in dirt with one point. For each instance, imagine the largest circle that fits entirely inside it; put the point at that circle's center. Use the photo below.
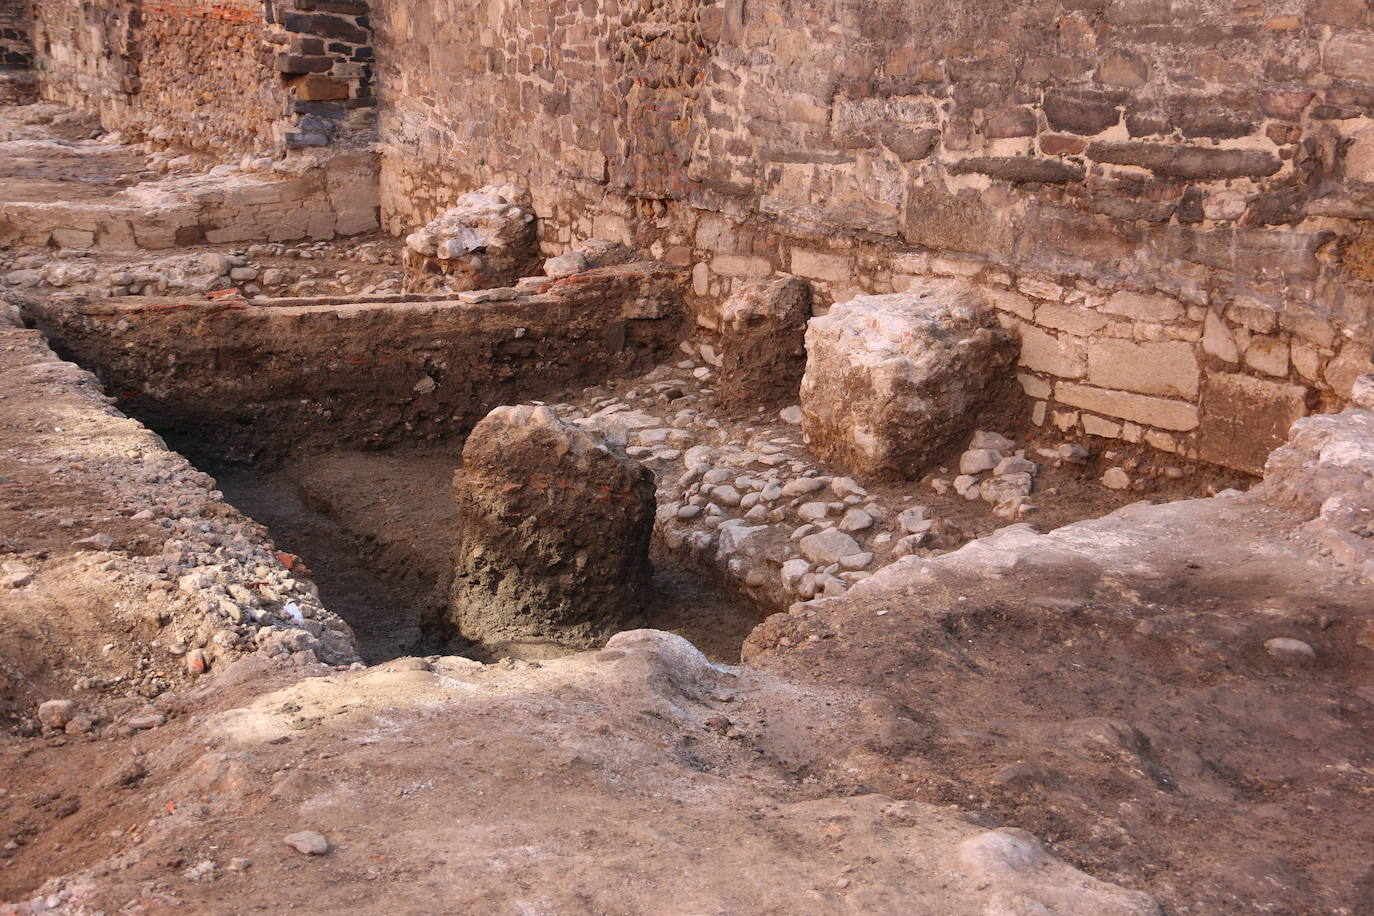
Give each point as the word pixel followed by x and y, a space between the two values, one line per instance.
pixel 15 575
pixel 147 720
pixel 1014 465
pixel 1116 479
pixel 892 381
pixel 828 546
pixel 978 460
pixel 307 842
pixel 1290 650
pixel 791 415
pixel 56 713
pixel 565 265
pixel 485 240
pixel 604 252
pixel 554 523
pixel 1362 392
pixel 762 346
pixel 995 441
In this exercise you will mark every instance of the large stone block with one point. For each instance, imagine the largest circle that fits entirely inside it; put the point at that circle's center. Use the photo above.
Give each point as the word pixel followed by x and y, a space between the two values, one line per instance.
pixel 553 538
pixel 1168 368
pixel 763 349
pixel 1126 405
pixel 1245 418
pixel 892 382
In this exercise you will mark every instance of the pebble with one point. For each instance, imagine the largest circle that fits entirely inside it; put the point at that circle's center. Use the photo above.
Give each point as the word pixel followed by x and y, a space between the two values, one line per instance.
pixel 802 486
pixel 813 512
pixel 56 713
pixel 856 520
pixel 791 415
pixel 1290 650
pixel 308 842
pixel 147 720
pixel 978 460
pixel 828 546
pixel 1116 479
pixel 687 513
pixel 726 495
pixel 846 486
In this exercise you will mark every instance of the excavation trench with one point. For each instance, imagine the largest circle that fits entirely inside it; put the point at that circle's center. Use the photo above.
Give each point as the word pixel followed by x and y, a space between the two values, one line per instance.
pixel 376 530
pixel 339 425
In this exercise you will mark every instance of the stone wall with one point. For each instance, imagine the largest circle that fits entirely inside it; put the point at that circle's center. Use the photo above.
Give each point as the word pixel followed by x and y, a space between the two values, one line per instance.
pixel 16 52
pixel 212 74
pixel 1170 198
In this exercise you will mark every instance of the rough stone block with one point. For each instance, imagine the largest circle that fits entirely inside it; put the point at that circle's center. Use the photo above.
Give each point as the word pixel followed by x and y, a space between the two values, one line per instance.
pixel 1065 356
pixel 1126 405
pixel 892 382
pixel 554 528
pixel 1143 306
pixel 487 239
pixel 763 350
pixel 1167 368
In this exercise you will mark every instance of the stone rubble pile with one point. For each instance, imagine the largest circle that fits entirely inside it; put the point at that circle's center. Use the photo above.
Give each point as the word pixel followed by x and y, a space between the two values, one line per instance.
pixel 893 381
pixel 487 239
pixel 994 470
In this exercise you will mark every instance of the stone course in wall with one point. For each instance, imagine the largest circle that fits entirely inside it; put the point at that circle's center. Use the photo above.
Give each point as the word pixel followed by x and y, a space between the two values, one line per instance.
pixel 1169 201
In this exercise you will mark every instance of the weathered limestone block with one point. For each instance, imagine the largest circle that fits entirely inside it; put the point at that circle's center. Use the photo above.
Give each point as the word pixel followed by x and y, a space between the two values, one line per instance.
pixel 763 346
pixel 554 528
pixel 893 381
pixel 487 239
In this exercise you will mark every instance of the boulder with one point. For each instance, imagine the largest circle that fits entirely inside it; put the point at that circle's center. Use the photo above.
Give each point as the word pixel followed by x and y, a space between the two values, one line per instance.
pixel 762 343
pixel 893 382
pixel 554 522
pixel 487 239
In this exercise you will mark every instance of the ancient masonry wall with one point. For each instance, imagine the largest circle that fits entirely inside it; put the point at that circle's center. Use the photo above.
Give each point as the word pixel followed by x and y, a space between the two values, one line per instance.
pixel 1169 199
pixel 16 52
pixel 212 74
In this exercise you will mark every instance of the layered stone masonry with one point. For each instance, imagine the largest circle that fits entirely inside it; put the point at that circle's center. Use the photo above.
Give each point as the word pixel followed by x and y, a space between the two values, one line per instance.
pixel 324 53
pixel 1216 155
